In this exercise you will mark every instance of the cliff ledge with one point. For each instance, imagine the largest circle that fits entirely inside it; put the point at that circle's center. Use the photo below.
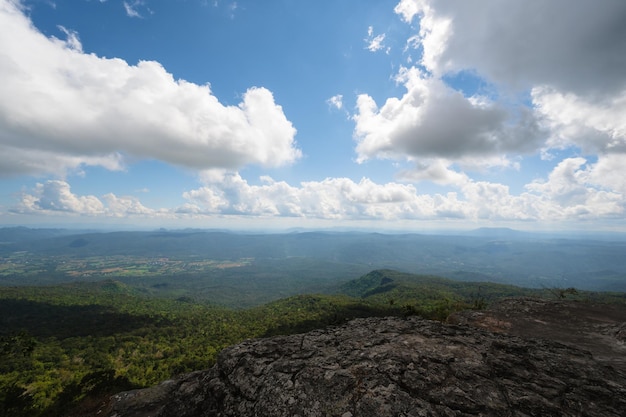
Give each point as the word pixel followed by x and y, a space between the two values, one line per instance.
pixel 401 367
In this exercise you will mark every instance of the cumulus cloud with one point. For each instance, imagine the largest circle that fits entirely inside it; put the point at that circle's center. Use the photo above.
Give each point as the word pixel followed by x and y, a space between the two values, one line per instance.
pixel 597 126
pixel 571 192
pixel 434 121
pixel 332 198
pixel 559 43
pixel 73 108
pixel 55 197
pixel 608 172
pixel 566 61
pixel 571 56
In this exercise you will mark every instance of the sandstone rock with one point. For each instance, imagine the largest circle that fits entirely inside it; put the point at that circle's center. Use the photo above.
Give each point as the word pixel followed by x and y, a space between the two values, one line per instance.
pixel 389 367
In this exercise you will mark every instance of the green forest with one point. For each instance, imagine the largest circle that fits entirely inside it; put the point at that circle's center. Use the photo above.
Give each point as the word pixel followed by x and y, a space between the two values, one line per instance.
pixel 66 347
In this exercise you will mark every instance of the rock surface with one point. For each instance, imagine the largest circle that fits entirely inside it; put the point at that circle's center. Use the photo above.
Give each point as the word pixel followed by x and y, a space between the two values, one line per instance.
pixel 390 367
pixel 598 328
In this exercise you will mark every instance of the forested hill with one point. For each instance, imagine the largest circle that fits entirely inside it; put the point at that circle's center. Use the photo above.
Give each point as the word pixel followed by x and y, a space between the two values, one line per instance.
pixel 66 347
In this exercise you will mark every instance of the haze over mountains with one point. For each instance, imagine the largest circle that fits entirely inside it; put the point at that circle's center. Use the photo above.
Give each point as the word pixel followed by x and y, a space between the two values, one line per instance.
pixel 318 260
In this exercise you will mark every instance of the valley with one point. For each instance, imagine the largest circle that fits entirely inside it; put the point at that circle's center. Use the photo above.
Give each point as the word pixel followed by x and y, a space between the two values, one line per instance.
pixel 84 315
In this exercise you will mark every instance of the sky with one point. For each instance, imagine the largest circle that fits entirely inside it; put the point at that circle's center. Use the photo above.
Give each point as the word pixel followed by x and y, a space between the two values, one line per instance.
pixel 393 115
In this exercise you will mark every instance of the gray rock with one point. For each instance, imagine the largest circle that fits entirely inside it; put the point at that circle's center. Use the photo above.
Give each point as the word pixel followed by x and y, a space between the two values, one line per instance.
pixel 389 367
pixel 595 327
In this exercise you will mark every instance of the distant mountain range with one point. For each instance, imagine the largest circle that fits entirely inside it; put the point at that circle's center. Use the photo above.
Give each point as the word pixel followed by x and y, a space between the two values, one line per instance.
pixel 488 254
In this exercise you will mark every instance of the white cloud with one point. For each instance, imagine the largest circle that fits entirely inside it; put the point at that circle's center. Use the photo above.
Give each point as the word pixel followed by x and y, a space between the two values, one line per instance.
pixel 64 105
pixel 132 8
pixel 126 206
pixel 333 198
pixel 571 192
pixel 608 173
pixel 375 43
pixel 29 161
pixel 336 101
pixel 408 9
pixel 55 197
pixel 570 55
pixel 595 126
pixel 433 121
pixel 437 170
pixel 577 47
pixel 568 58
pixel 72 40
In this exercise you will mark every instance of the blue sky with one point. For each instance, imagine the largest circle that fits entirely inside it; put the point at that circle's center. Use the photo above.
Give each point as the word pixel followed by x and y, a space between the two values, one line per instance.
pixel 405 114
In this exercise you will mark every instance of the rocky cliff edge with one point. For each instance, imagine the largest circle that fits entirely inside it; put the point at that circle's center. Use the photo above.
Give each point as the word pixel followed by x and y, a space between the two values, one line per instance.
pixel 394 367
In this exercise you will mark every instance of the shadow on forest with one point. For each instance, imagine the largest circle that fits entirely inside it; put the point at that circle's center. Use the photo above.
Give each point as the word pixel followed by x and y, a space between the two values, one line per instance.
pixel 43 320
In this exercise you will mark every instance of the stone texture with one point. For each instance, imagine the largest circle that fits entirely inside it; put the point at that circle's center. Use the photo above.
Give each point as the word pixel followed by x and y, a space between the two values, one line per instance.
pixel 389 367
pixel 598 328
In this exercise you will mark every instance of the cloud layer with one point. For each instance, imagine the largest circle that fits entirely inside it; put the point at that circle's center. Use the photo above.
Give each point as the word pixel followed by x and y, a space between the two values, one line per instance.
pixel 573 191
pixel 61 108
